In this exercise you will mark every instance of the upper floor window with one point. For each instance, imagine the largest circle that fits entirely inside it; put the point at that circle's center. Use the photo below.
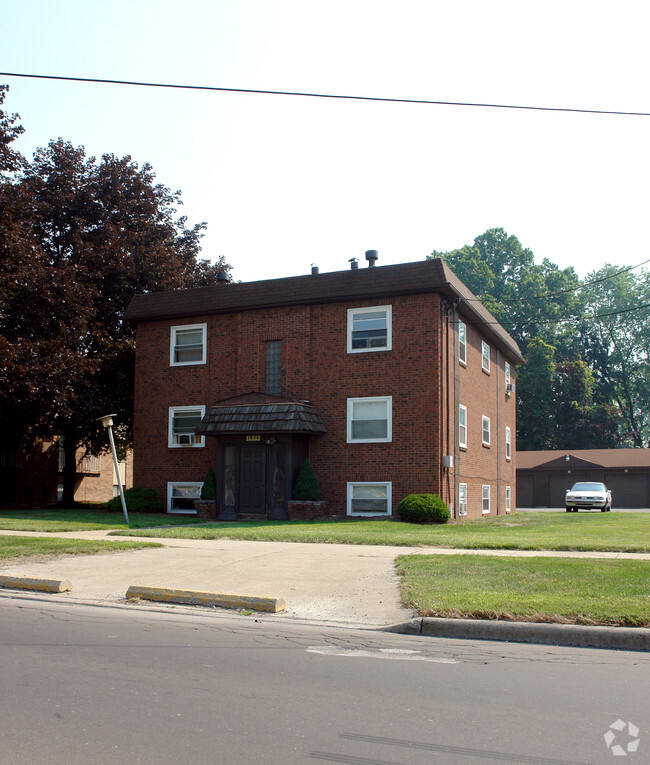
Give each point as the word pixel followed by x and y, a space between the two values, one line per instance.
pixel 273 382
pixel 188 345
pixel 183 422
pixel 506 369
pixel 370 419
pixel 462 343
pixel 485 356
pixel 485 430
pixel 462 426
pixel 508 447
pixel 369 329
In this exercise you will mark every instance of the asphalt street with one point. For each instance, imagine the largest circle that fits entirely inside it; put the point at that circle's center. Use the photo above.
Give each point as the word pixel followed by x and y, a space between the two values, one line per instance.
pixel 107 685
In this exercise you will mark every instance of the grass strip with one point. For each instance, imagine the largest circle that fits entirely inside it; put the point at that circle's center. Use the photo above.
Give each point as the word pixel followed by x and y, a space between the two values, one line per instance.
pixel 22 547
pixel 565 590
pixel 624 532
pixel 82 519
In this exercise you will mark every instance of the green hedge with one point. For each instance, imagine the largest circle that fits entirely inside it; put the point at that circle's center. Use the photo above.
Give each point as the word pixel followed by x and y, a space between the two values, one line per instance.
pixel 423 508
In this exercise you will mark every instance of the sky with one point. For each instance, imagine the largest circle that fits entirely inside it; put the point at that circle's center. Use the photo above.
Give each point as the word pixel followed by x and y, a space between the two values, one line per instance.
pixel 284 182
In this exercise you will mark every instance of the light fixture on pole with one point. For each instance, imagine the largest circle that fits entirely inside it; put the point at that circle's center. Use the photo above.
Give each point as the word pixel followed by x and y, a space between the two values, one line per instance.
pixel 107 422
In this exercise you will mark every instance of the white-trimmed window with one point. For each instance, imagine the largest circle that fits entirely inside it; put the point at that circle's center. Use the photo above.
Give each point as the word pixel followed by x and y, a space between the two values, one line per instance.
pixel 183 422
pixel 508 445
pixel 508 499
pixel 462 343
pixel 181 496
pixel 188 345
pixel 485 356
pixel 370 498
pixel 370 419
pixel 486 498
pixel 506 369
pixel 462 499
pixel 485 430
pixel 462 426
pixel 370 329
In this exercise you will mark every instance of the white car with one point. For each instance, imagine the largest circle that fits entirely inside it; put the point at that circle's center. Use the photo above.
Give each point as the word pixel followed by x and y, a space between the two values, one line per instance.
pixel 588 495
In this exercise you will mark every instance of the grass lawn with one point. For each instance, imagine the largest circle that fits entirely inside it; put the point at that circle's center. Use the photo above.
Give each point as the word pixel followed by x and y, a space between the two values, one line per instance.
pixel 623 532
pixel 83 519
pixel 20 547
pixel 586 591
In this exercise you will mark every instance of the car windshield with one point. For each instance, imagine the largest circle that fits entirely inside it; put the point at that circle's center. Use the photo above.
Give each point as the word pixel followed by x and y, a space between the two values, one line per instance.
pixel 588 487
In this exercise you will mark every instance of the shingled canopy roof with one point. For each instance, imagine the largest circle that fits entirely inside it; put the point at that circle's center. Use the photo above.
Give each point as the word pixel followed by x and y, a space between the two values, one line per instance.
pixel 260 413
pixel 377 283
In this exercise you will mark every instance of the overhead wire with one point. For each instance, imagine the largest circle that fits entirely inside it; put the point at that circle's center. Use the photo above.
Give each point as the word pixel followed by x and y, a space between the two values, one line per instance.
pixel 339 96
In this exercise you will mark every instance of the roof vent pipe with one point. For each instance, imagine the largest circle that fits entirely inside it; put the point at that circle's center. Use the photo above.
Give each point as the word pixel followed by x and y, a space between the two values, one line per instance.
pixel 314 269
pixel 371 257
pixel 223 277
pixel 354 263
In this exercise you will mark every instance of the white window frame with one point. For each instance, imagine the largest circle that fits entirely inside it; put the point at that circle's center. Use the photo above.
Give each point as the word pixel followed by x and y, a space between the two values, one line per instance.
pixel 485 496
pixel 172 344
pixel 462 343
pixel 462 427
pixel 508 443
pixel 388 400
pixel 462 499
pixel 485 356
pixel 199 441
pixel 506 371
pixel 508 499
pixel 352 312
pixel 389 498
pixel 170 496
pixel 485 429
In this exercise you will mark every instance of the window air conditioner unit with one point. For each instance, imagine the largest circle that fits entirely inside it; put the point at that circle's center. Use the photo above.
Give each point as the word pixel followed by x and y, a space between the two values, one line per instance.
pixel 185 439
pixel 510 387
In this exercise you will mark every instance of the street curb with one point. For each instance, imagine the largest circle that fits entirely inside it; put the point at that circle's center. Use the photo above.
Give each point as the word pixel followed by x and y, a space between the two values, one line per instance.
pixel 197 598
pixel 621 638
pixel 29 583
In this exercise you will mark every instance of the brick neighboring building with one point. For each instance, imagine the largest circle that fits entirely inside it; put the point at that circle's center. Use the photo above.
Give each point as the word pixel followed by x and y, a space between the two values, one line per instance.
pixel 34 476
pixel 393 380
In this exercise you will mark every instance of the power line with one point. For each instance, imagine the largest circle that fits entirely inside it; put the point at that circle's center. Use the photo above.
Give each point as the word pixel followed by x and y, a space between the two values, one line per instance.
pixel 568 289
pixel 339 96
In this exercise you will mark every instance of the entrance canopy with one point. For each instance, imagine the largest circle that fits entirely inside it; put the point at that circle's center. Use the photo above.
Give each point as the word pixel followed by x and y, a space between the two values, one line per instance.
pixel 260 413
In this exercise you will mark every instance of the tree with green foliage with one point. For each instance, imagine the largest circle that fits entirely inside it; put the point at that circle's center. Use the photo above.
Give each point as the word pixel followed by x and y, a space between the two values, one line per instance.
pixel 585 383
pixel 78 238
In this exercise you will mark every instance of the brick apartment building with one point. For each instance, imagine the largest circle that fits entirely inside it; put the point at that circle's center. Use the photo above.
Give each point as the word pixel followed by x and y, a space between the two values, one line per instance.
pixel 392 379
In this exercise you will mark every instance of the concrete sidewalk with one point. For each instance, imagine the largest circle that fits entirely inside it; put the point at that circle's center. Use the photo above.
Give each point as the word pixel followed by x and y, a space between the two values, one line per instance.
pixel 339 584
pixel 351 585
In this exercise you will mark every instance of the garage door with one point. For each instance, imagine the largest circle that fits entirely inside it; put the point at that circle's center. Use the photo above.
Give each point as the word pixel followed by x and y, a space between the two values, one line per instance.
pixel 525 491
pixel 628 490
pixel 558 484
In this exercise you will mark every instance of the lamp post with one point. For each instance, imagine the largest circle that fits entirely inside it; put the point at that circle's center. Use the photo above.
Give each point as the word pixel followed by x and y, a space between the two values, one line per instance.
pixel 107 422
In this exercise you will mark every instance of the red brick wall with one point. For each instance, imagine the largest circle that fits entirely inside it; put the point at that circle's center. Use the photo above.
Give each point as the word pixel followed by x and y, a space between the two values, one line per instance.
pixel 485 394
pixel 418 374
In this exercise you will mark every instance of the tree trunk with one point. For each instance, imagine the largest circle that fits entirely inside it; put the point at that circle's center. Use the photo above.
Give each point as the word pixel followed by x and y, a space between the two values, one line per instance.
pixel 69 468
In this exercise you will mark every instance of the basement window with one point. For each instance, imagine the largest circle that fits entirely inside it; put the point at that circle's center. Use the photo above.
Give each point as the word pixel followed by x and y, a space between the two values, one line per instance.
pixel 369 499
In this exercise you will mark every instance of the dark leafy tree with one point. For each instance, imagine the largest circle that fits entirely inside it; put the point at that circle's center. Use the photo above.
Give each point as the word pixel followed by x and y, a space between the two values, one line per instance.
pixel 78 238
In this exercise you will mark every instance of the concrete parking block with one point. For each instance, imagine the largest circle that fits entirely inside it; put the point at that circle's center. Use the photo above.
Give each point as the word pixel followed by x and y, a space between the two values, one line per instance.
pixel 197 598
pixel 30 583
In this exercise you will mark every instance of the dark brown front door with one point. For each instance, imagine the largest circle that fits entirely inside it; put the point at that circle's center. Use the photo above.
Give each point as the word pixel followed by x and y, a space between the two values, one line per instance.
pixel 252 481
